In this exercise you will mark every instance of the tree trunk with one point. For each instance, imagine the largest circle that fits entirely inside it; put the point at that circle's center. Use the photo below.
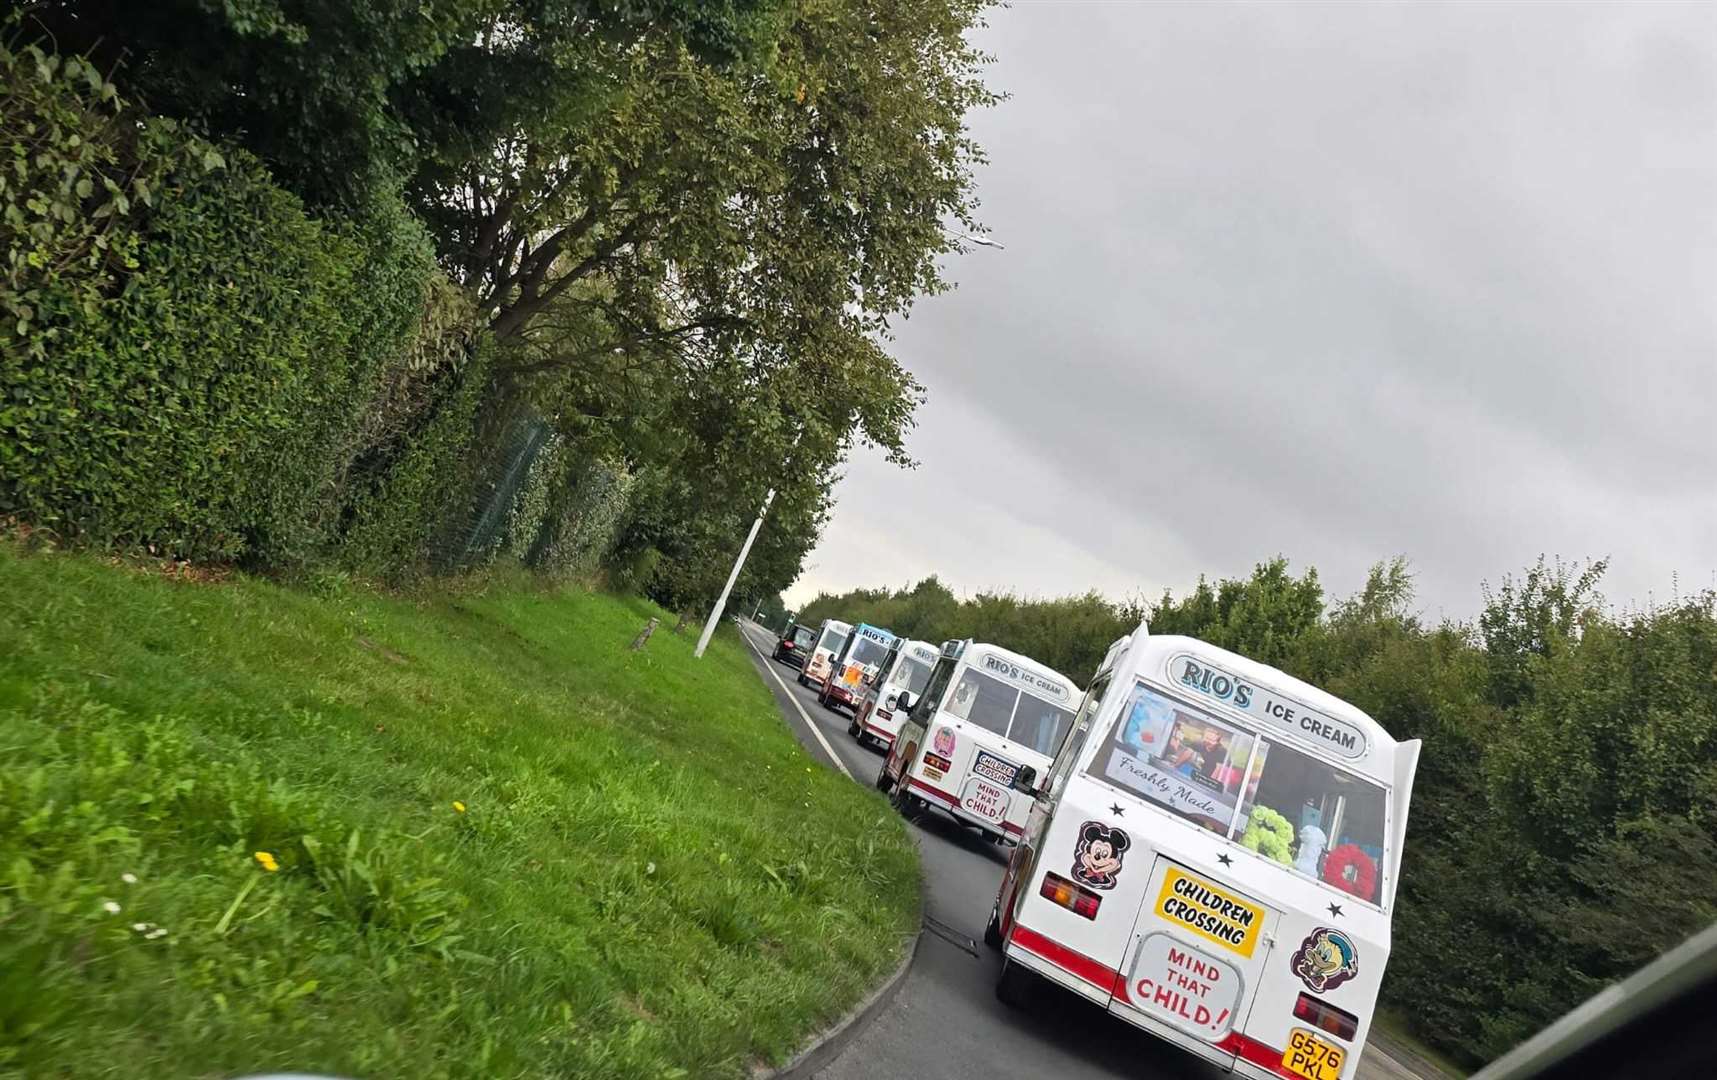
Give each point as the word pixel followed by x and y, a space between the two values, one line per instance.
pixel 680 627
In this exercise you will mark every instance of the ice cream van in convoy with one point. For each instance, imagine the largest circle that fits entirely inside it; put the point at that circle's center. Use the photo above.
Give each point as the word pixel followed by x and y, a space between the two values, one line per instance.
pixel 831 639
pixel 877 715
pixel 1212 855
pixel 986 714
pixel 855 666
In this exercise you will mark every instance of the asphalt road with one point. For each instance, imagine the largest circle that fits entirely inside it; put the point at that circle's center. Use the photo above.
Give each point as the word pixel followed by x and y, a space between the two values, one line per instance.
pixel 945 1023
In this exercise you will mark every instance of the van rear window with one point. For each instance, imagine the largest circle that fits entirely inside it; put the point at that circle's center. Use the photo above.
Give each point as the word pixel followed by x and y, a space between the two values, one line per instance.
pixel 912 675
pixel 995 706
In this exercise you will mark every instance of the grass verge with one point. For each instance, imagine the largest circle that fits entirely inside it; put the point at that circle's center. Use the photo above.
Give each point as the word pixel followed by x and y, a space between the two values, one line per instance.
pixel 506 845
pixel 1397 1030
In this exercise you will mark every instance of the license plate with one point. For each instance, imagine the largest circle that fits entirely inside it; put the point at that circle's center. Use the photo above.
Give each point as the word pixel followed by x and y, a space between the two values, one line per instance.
pixel 984 800
pixel 1311 1057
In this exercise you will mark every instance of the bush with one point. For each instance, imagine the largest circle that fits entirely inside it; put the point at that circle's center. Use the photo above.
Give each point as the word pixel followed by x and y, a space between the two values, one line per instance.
pixel 402 505
pixel 188 358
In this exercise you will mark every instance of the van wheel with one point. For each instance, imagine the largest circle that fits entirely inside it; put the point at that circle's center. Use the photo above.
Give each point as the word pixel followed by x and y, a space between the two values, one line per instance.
pixel 1016 985
pixel 905 803
pixel 993 930
pixel 853 728
pixel 883 783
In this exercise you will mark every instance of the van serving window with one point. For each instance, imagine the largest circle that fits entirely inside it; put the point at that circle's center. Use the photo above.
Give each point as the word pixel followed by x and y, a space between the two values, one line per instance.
pixel 1311 817
pixel 1039 725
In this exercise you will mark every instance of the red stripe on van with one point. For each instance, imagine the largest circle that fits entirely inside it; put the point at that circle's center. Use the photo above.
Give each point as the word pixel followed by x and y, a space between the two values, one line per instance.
pixel 937 792
pixel 878 731
pixel 1255 1052
pixel 1008 826
pixel 1103 977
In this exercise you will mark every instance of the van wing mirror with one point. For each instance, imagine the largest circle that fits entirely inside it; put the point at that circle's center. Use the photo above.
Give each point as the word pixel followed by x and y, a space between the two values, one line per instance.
pixel 1025 779
pixel 903 702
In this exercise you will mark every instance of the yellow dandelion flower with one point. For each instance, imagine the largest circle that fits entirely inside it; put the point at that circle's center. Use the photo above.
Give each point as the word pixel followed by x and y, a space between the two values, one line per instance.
pixel 458 806
pixel 267 861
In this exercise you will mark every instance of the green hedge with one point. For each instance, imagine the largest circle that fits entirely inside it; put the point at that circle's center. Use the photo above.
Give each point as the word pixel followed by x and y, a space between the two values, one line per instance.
pixel 189 360
pixel 399 511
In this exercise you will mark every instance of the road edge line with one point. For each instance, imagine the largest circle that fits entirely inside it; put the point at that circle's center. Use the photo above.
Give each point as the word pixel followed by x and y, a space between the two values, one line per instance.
pixel 803 715
pixel 831 1042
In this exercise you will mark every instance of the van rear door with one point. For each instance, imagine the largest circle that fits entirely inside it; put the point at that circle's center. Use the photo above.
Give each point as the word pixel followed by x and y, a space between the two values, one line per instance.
pixel 1198 953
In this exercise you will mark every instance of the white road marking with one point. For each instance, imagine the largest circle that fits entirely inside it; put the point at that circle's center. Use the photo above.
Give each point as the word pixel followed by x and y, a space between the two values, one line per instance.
pixel 769 666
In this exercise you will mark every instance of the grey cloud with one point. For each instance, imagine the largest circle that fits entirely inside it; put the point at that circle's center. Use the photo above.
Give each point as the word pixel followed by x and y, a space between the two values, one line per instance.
pixel 1336 281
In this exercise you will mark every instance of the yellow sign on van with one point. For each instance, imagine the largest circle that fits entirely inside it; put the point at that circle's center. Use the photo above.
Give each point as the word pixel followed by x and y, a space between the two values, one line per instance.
pixel 1211 912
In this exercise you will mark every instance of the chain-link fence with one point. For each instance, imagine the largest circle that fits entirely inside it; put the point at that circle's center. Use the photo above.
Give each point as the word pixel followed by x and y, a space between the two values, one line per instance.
pixel 535 502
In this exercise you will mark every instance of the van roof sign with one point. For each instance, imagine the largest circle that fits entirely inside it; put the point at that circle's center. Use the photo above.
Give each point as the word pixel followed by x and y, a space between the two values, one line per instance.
pixel 1270 707
pixel 1025 678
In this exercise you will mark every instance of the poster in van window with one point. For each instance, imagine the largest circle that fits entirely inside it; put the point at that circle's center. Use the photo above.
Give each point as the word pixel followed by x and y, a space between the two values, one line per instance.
pixel 1189 762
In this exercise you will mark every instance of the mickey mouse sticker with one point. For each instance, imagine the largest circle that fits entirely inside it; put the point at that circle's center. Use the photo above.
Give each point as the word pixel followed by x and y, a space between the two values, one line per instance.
pixel 1097 855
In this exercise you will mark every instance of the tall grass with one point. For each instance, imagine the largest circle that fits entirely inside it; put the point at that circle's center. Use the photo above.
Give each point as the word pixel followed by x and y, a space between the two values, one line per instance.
pixel 456 835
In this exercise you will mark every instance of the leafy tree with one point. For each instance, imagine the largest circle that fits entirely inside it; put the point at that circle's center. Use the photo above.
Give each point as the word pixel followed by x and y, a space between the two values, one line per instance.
pixel 1263 617
pixel 1533 617
pixel 344 99
pixel 680 202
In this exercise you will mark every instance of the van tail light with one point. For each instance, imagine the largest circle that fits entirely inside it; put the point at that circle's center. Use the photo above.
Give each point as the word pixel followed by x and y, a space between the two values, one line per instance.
pixel 1326 1017
pixel 1070 896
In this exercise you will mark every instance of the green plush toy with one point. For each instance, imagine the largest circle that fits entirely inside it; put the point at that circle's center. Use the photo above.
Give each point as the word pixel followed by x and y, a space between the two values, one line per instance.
pixel 1269 833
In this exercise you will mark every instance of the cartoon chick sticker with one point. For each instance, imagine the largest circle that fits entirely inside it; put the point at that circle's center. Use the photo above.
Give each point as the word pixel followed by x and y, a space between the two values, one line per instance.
pixel 1326 959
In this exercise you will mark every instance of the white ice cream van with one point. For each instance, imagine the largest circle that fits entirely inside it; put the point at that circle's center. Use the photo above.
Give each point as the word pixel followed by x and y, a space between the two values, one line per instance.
pixel 1213 856
pixel 855 667
pixel 985 714
pixel 831 639
pixel 907 667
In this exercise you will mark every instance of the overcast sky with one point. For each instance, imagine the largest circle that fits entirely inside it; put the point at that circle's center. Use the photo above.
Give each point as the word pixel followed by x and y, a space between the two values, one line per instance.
pixel 1333 281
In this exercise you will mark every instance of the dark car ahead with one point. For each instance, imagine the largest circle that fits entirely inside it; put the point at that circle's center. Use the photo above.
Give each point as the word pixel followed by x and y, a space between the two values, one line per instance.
pixel 795 645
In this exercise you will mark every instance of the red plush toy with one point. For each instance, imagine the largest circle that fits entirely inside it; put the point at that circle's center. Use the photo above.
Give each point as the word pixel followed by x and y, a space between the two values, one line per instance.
pixel 1351 870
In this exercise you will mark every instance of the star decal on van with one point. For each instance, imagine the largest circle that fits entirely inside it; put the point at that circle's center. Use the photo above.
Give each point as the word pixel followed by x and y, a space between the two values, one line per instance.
pixel 1335 910
pixel 1225 859
pixel 1115 808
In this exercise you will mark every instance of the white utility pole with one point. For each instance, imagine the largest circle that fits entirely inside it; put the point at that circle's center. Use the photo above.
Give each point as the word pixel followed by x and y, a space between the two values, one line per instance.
pixel 738 564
